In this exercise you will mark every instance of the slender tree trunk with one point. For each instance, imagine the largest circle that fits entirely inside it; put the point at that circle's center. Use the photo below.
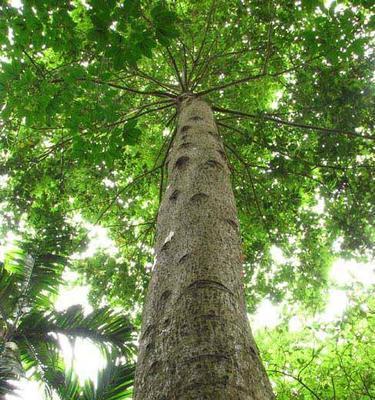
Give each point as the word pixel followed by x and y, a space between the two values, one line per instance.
pixel 195 341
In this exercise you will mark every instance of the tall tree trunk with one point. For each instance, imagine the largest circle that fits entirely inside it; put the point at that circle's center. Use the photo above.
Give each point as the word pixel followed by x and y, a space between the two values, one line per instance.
pixel 196 341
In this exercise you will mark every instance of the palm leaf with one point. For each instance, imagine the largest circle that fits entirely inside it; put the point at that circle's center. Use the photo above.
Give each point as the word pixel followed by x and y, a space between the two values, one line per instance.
pixel 10 367
pixel 104 327
pixel 115 382
pixel 27 281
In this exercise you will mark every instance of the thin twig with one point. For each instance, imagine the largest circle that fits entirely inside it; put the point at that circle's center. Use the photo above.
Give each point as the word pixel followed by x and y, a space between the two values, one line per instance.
pixel 166 140
pixel 295 158
pixel 152 79
pixel 185 76
pixel 261 214
pixel 163 164
pixel 268 51
pixel 296 379
pixel 35 64
pixel 139 114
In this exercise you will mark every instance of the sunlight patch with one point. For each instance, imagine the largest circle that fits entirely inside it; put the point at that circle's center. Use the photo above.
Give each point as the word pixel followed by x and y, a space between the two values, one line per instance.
pixel 267 315
pixel 84 356
pixel 276 99
pixel 277 255
pixel 71 296
pixel 16 3
pixel 26 389
pixel 344 272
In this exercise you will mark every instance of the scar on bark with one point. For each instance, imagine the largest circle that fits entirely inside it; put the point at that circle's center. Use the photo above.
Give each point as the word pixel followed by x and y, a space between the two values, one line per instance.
pixel 212 356
pixel 253 352
pixel 214 134
pixel 196 118
pixel 204 283
pixel 148 331
pixel 153 367
pixel 185 145
pixel 232 223
pixel 150 346
pixel 222 155
pixel 185 128
pixel 173 197
pixel 213 164
pixel 183 258
pixel 181 162
pixel 166 246
pixel 198 198
pixel 164 299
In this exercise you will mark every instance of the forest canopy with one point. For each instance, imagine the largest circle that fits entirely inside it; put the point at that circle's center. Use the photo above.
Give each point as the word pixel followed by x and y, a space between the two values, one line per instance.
pixel 88 94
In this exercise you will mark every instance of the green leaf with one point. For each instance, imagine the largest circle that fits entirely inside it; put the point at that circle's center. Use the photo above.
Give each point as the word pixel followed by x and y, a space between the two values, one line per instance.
pixel 131 134
pixel 311 5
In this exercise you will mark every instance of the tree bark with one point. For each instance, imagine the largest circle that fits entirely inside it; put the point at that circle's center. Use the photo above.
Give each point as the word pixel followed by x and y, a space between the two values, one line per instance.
pixel 196 342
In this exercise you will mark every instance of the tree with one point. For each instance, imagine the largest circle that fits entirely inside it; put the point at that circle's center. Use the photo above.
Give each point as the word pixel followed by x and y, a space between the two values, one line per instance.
pixel 90 93
pixel 30 330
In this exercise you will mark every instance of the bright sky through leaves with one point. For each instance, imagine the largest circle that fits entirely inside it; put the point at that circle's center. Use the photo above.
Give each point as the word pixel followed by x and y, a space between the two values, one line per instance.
pixel 290 85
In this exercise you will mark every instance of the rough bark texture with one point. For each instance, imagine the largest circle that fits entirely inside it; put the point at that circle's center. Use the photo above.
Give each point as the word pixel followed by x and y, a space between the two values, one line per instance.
pixel 196 341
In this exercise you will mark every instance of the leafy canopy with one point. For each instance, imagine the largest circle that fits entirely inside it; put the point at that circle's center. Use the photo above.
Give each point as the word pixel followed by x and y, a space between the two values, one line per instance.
pixel 88 93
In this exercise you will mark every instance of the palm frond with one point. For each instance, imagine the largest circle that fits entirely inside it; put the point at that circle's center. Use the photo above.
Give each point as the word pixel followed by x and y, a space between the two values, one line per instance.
pixel 115 382
pixel 102 326
pixel 27 287
pixel 10 367
pixel 27 281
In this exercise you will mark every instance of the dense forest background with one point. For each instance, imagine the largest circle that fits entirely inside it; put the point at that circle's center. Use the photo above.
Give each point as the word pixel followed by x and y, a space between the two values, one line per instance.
pixel 87 97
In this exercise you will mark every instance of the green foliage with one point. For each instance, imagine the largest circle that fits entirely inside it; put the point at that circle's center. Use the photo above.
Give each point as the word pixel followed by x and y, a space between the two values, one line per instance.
pixel 84 115
pixel 324 361
pixel 30 330
pixel 89 93
pixel 114 383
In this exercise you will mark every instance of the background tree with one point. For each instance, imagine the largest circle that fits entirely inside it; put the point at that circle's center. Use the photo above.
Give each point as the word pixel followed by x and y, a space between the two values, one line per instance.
pixel 88 92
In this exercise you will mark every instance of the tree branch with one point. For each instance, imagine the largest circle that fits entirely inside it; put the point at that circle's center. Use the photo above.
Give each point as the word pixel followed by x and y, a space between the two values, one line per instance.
pixel 152 79
pixel 139 114
pixel 117 86
pixel 203 42
pixel 296 379
pixel 292 124
pixel 251 78
pixel 120 192
pixel 296 158
pixel 175 68
pixel 261 214
pixel 205 67
pixel 35 64
pixel 268 51
pixel 286 171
